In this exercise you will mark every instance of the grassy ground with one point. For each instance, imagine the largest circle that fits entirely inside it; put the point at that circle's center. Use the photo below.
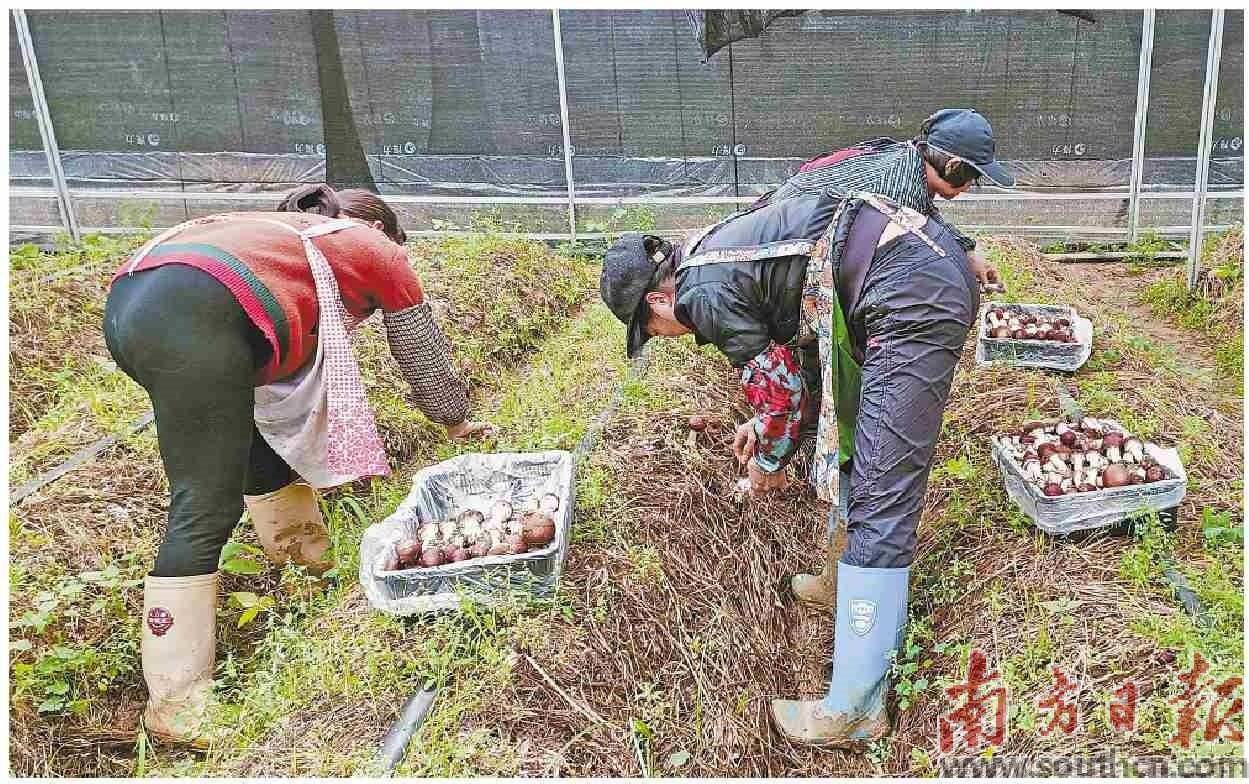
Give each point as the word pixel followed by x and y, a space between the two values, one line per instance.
pixel 79 548
pixel 1214 309
pixel 64 390
pixel 671 630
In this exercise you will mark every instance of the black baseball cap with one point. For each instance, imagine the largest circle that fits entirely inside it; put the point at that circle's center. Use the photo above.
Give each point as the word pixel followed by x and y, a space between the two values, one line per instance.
pixel 967 134
pixel 628 269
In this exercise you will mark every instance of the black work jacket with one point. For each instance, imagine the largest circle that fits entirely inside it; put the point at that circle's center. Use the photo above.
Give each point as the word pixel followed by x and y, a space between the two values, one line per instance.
pixel 743 306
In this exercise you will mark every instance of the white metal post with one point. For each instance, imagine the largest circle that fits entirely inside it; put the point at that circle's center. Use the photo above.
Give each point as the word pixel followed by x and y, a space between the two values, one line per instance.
pixel 563 114
pixel 44 118
pixel 1142 115
pixel 1205 143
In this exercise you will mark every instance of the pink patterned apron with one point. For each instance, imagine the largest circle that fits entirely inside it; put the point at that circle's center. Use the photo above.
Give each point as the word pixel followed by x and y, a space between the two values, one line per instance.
pixel 318 420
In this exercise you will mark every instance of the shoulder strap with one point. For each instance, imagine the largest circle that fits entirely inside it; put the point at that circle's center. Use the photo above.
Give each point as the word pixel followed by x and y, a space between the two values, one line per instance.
pixel 765 252
pixel 856 258
pixel 315 230
pixel 159 238
pixel 329 227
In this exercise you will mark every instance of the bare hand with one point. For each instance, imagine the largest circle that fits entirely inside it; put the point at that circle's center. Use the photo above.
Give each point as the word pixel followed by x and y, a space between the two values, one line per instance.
pixel 985 272
pixel 470 429
pixel 762 482
pixel 745 441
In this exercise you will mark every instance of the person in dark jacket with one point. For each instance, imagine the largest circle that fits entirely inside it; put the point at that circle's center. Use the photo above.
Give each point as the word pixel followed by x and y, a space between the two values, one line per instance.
pixel 830 284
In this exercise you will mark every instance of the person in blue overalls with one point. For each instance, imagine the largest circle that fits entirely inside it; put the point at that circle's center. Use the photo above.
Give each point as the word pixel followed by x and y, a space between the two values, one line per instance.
pixel 849 268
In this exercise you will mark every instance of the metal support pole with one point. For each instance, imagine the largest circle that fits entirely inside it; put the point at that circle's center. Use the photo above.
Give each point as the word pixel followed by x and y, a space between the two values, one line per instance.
pixel 1142 114
pixel 44 118
pixel 1205 144
pixel 563 115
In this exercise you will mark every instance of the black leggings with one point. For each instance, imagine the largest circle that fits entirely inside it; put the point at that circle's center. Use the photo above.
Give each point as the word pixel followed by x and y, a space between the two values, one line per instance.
pixel 183 337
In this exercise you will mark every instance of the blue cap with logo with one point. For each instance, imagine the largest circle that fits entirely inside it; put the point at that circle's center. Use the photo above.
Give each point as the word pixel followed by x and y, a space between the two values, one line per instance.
pixel 967 134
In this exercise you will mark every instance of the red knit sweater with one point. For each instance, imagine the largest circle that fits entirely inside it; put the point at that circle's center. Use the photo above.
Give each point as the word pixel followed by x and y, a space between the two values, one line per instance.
pixel 265 267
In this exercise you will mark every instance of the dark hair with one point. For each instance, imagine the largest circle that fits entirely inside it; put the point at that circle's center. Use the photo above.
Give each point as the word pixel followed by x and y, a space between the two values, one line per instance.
pixel 957 174
pixel 665 269
pixel 353 202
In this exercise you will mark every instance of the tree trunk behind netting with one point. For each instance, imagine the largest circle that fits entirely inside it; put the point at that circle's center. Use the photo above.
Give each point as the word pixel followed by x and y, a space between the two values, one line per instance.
pixel 345 163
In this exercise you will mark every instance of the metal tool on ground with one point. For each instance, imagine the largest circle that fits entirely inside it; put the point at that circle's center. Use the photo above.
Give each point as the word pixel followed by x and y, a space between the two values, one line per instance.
pixel 82 457
pixel 413 714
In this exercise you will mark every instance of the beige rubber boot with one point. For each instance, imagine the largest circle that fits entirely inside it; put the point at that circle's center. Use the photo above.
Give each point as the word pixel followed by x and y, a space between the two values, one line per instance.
pixel 290 527
pixel 179 651
pixel 805 722
pixel 820 590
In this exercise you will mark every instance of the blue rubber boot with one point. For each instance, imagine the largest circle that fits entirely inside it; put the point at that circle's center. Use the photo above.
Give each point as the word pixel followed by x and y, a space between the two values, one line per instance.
pixel 871 624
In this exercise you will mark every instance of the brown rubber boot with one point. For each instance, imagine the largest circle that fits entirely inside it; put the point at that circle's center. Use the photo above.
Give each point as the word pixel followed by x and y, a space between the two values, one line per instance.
pixel 179 651
pixel 805 722
pixel 290 527
pixel 820 590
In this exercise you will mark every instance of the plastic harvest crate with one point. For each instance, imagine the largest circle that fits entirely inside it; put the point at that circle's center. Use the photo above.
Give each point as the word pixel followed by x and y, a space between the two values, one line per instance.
pixel 1036 353
pixel 442 491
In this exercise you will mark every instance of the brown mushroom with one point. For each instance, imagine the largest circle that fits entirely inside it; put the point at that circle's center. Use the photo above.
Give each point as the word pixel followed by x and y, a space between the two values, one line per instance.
pixel 537 530
pixel 1115 475
pixel 408 550
pixel 515 544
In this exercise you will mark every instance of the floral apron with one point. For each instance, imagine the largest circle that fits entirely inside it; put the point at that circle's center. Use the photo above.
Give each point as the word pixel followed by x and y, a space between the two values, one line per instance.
pixel 824 320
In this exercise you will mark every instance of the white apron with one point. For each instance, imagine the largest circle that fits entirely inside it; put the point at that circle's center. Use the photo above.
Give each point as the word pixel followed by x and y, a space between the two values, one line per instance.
pixel 318 420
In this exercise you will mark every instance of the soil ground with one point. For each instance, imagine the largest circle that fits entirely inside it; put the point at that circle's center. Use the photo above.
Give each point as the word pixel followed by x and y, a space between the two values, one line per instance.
pixel 672 629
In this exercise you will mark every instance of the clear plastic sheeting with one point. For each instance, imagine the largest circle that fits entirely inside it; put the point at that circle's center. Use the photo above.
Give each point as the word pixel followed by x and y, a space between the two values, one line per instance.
pixel 1046 355
pixel 1066 514
pixel 442 491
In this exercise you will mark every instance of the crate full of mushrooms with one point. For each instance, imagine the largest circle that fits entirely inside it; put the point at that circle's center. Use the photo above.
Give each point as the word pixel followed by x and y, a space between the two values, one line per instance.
pixel 1052 337
pixel 1071 476
pixel 478 526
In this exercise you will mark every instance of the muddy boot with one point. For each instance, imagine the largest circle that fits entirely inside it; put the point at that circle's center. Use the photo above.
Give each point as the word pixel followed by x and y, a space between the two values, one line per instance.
pixel 179 650
pixel 290 527
pixel 820 590
pixel 871 622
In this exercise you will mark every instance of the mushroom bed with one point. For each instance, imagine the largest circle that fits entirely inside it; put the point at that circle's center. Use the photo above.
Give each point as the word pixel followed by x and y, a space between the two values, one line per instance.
pixel 671 628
